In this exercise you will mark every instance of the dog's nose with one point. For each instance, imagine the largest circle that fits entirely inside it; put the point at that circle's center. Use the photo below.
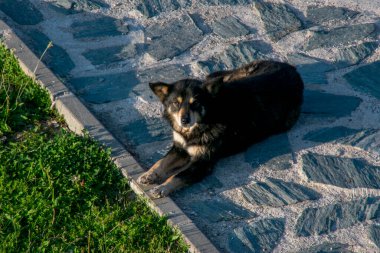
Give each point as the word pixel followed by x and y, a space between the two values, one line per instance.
pixel 185 119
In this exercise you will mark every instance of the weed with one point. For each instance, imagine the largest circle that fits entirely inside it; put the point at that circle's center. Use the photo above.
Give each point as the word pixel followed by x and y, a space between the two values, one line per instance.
pixel 49 45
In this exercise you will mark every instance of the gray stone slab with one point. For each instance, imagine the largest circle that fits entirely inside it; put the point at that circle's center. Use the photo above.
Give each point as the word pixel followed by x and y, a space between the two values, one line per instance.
pixel 320 15
pixel 229 27
pixel 104 88
pixel 327 219
pixel 75 6
pixel 312 71
pixel 274 152
pixel 226 2
pixel 278 19
pixel 216 210
pixel 328 134
pixel 55 58
pixel 235 56
pixel 210 184
pixel 374 234
pixel 368 140
pixel 260 236
pixel 98 28
pixel 276 193
pixel 349 56
pixel 153 8
pixel 366 79
pixel 147 138
pixel 342 172
pixel 146 131
pixel 168 73
pixel 327 247
pixel 22 12
pixel 322 105
pixel 200 22
pixel 109 55
pixel 172 38
pixel 340 36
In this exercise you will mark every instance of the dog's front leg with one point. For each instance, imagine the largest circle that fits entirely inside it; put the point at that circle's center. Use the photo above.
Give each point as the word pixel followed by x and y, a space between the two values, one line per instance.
pixel 194 171
pixel 164 168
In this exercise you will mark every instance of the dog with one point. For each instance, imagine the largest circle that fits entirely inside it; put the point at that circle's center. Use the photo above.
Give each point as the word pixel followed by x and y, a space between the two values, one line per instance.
pixel 220 116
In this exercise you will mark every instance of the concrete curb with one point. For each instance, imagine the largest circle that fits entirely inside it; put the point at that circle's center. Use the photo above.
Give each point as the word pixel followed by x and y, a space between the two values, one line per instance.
pixel 79 118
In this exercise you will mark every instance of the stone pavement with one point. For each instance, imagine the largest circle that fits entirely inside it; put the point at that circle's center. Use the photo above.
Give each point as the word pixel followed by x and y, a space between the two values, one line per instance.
pixel 313 189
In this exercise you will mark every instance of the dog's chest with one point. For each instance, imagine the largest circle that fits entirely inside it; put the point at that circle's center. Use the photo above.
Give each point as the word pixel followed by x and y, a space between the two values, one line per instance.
pixel 178 138
pixel 192 150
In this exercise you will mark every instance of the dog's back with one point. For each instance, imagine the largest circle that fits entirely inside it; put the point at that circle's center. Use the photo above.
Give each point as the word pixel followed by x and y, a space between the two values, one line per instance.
pixel 255 101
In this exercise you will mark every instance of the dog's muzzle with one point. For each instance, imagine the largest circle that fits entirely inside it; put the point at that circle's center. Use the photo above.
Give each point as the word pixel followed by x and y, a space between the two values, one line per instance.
pixel 185 120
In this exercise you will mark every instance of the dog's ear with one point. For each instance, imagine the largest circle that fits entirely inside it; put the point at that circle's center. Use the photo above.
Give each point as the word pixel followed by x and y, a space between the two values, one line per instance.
pixel 161 90
pixel 213 85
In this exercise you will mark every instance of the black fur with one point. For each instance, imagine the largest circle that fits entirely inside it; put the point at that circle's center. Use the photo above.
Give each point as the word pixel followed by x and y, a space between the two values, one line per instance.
pixel 233 110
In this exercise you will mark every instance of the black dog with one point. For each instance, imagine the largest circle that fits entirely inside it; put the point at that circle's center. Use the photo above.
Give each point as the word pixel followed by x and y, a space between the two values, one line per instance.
pixel 220 116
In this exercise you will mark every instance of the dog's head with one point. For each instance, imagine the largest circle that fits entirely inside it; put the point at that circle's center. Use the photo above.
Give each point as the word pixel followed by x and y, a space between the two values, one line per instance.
pixel 185 102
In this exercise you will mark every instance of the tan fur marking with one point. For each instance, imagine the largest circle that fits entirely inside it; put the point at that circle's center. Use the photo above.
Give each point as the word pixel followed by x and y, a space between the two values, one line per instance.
pixel 152 174
pixel 164 90
pixel 180 99
pixel 179 138
pixel 191 100
pixel 171 184
pixel 174 183
pixel 196 150
pixel 182 111
pixel 173 167
pixel 177 118
pixel 155 166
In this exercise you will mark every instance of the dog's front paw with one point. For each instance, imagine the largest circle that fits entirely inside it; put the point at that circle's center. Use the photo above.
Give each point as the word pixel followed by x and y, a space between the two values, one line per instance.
pixel 159 191
pixel 148 178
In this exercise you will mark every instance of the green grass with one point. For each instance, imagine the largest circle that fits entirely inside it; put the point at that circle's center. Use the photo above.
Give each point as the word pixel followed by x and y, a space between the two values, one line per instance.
pixel 60 192
pixel 22 101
